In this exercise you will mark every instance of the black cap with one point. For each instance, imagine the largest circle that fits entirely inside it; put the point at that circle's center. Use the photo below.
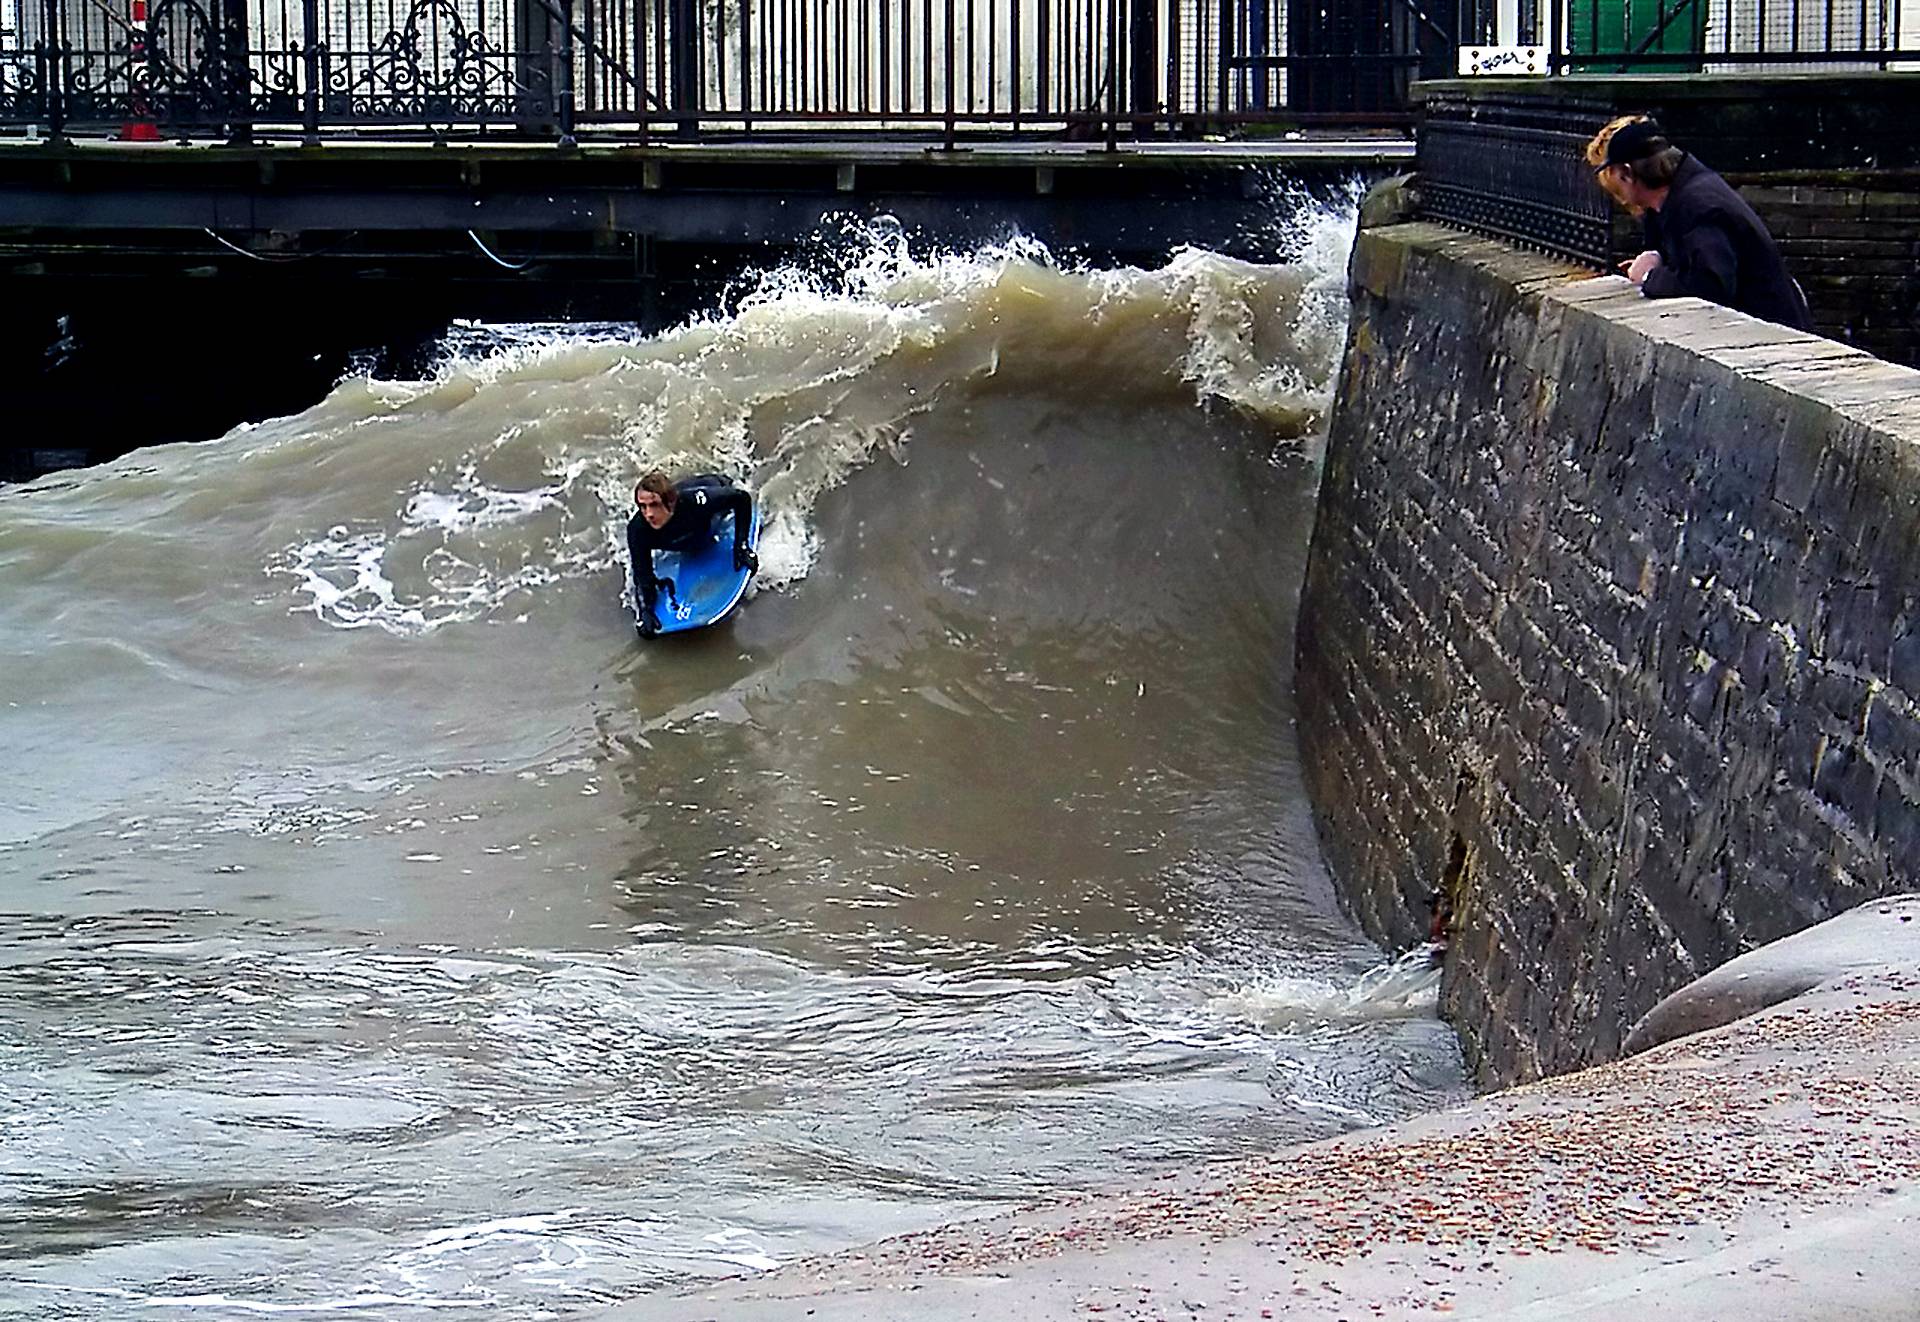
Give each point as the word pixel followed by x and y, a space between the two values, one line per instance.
pixel 1635 142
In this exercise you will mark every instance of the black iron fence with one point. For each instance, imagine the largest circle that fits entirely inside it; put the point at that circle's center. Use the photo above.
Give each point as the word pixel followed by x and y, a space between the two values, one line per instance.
pixel 1695 36
pixel 1516 166
pixel 639 67
pixel 560 68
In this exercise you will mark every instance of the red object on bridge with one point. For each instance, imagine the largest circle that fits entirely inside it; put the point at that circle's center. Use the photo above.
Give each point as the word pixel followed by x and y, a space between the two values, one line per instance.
pixel 139 130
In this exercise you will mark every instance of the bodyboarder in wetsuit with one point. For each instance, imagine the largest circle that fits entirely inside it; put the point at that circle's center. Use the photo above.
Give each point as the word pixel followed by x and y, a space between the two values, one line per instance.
pixel 678 516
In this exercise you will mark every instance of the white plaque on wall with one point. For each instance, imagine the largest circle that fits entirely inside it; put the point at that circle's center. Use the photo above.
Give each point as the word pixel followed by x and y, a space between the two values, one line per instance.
pixel 1508 61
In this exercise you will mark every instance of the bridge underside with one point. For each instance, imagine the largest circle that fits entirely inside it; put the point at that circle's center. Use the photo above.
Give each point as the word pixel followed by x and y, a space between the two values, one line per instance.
pixel 520 213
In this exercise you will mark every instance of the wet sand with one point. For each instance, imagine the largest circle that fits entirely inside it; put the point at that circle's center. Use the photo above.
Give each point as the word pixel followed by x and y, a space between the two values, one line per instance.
pixel 1768 1168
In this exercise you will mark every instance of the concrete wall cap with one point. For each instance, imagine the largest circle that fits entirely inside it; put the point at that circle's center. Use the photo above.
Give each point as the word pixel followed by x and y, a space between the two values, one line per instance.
pixel 1880 935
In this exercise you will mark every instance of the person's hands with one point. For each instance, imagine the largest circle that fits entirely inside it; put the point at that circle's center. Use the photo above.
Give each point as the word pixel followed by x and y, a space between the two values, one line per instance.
pixel 648 626
pixel 744 558
pixel 1642 266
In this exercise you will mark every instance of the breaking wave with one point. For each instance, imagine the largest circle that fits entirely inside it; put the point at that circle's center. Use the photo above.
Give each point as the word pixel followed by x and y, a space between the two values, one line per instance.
pixel 525 446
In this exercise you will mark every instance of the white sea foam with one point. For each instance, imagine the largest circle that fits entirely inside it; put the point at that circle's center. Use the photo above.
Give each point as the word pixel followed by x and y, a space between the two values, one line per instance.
pixel 524 446
pixel 1407 987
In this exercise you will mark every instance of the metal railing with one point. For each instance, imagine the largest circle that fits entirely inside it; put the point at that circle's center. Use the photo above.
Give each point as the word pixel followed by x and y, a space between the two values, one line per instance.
pixel 560 68
pixel 1675 36
pixel 1516 167
pixel 1727 35
pixel 634 68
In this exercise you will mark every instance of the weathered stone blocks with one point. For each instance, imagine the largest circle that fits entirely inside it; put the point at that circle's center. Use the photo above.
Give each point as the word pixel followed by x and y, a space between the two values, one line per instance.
pixel 1653 652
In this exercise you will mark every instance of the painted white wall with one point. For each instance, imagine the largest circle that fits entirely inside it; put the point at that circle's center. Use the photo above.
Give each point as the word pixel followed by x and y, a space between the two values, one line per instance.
pixel 1507 22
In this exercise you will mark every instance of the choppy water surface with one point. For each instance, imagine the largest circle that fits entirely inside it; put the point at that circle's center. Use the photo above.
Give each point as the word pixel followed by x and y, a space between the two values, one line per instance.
pixel 388 932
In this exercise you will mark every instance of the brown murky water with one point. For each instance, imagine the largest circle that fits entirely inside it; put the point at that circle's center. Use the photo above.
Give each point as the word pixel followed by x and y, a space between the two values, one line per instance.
pixel 389 933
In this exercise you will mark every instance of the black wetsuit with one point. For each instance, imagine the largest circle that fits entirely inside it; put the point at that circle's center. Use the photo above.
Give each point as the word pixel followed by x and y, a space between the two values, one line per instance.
pixel 698 502
pixel 1713 246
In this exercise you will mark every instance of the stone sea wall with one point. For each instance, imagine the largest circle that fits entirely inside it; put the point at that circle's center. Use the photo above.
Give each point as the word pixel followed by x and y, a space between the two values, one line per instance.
pixel 1610 638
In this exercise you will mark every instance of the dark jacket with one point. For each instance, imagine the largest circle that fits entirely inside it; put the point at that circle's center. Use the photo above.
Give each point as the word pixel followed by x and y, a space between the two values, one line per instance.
pixel 697 503
pixel 1713 246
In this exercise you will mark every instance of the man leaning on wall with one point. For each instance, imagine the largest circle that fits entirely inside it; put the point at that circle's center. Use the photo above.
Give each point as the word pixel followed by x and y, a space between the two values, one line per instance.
pixel 1702 238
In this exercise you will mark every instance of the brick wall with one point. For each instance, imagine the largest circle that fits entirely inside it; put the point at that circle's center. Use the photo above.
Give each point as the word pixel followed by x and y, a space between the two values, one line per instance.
pixel 1611 633
pixel 1852 240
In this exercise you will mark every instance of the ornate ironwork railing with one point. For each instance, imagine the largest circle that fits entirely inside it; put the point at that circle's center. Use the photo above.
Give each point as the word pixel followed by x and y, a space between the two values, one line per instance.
pixel 561 67
pixel 1515 166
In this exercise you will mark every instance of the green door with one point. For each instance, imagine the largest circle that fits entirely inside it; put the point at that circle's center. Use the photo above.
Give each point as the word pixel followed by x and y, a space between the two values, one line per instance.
pixel 1636 27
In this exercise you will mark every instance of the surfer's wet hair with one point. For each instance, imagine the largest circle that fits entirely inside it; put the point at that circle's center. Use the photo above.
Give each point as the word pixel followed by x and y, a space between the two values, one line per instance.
pixel 660 485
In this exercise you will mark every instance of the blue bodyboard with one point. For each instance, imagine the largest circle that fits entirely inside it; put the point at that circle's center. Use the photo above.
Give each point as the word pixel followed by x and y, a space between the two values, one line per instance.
pixel 701 587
